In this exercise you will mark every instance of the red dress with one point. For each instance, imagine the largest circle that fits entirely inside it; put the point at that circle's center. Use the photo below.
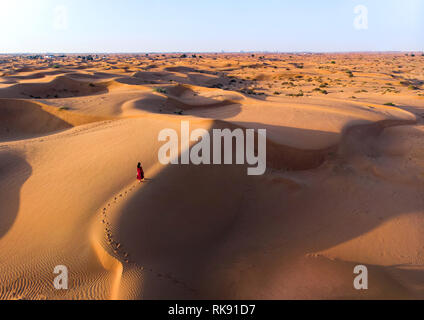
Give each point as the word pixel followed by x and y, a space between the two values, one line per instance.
pixel 140 174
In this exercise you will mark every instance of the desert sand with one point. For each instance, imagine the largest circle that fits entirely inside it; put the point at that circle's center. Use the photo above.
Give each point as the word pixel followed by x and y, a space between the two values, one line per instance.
pixel 344 184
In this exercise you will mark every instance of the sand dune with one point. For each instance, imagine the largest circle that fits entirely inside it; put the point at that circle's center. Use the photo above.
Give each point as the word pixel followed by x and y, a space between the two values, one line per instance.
pixel 343 184
pixel 62 87
pixel 182 98
pixel 20 119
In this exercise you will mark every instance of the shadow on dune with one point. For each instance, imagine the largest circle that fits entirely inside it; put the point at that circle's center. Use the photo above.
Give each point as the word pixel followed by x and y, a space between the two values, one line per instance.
pixel 191 76
pixel 61 87
pixel 14 171
pixel 183 69
pixel 173 224
pixel 417 111
pixel 20 119
pixel 182 99
pixel 154 77
pixel 176 217
pixel 204 225
pixel 182 75
pixel 214 79
pixel 38 75
pixel 24 119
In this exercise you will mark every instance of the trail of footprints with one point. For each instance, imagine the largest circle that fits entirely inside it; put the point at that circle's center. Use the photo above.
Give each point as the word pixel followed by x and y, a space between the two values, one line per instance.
pixel 119 250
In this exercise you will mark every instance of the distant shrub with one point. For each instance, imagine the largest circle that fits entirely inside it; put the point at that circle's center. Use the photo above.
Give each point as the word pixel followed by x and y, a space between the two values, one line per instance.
pixel 390 104
pixel 160 90
pixel 300 94
pixel 217 86
pixel 321 90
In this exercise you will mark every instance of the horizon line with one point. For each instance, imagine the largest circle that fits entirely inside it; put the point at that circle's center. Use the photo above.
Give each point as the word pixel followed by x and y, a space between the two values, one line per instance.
pixel 210 52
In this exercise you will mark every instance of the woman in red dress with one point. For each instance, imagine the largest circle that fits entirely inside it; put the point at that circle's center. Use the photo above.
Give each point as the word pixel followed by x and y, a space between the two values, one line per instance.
pixel 140 173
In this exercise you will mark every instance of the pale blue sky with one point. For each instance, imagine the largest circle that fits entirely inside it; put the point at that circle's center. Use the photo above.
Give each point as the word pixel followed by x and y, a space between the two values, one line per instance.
pixel 208 25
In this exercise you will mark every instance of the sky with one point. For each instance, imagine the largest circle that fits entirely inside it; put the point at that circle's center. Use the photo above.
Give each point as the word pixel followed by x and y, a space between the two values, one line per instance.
pixel 111 26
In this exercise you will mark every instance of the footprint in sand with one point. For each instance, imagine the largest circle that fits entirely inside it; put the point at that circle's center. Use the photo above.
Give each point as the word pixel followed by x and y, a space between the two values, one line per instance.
pixel 124 256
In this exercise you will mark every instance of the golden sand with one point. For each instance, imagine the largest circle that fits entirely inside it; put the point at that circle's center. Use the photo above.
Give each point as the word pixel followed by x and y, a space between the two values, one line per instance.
pixel 344 184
